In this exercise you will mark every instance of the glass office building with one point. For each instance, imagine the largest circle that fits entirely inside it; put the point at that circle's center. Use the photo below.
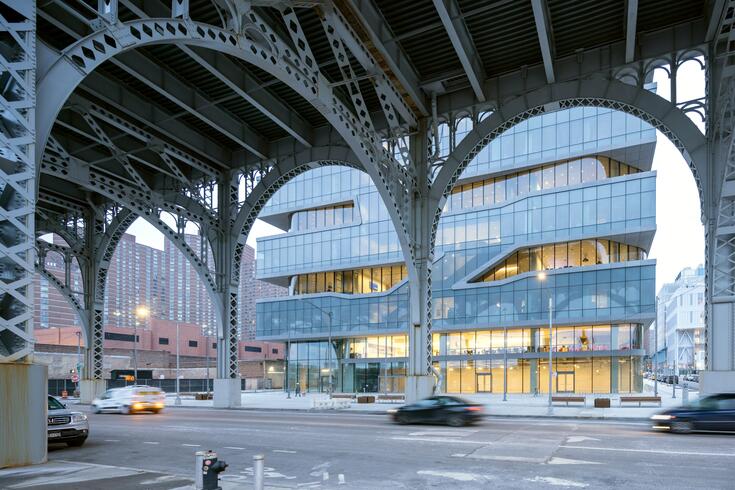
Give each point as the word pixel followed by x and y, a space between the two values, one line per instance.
pixel 569 194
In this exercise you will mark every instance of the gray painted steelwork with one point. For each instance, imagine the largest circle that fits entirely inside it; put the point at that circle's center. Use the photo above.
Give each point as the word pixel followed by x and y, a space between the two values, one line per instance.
pixel 180 113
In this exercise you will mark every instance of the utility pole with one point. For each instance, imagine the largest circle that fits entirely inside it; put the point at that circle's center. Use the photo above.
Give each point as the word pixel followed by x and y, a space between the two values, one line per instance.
pixel 79 358
pixel 288 365
pixel 206 350
pixel 551 365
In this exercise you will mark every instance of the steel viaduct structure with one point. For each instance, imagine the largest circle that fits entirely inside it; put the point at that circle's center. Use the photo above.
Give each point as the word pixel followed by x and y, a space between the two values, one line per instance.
pixel 194 112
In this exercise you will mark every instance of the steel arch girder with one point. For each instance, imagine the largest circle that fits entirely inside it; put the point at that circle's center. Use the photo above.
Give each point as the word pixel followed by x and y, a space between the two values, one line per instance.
pixel 288 167
pixel 613 94
pixel 69 297
pixel 273 55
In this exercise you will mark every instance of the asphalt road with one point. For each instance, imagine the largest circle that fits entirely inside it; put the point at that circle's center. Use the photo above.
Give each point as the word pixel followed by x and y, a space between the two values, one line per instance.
pixel 346 450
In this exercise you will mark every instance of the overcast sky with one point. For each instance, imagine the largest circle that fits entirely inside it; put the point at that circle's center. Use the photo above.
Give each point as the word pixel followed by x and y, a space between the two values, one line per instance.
pixel 679 240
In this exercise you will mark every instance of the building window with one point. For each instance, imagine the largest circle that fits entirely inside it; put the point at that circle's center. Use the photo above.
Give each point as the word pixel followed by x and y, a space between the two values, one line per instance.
pixel 571 172
pixel 274 351
pixel 162 341
pixel 361 281
pixel 252 348
pixel 123 337
pixel 322 217
pixel 193 343
pixel 214 345
pixel 579 253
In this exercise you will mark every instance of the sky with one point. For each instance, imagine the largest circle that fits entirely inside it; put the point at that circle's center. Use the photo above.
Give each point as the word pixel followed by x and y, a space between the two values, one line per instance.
pixel 679 239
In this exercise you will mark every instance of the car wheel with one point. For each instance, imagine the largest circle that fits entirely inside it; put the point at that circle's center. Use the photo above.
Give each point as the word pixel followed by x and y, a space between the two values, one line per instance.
pixel 95 409
pixel 681 427
pixel 156 410
pixel 76 442
pixel 456 421
pixel 125 410
pixel 402 418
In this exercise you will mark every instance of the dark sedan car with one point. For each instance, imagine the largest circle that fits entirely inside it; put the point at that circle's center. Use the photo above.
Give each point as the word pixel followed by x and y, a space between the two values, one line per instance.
pixel 713 413
pixel 440 409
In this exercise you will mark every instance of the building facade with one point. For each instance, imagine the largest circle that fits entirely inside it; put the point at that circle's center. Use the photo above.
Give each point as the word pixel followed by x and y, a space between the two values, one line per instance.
pixel 163 281
pixel 559 211
pixel 680 322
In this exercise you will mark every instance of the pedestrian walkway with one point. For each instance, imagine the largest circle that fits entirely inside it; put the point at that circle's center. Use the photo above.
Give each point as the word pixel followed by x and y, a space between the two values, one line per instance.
pixel 72 475
pixel 516 405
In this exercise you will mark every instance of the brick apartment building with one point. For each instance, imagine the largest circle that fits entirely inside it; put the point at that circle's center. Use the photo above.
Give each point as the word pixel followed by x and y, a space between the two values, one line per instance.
pixel 161 280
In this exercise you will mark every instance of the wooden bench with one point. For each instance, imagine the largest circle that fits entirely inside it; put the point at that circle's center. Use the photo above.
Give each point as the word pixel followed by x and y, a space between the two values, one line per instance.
pixel 348 396
pixel 568 399
pixel 640 399
pixel 392 398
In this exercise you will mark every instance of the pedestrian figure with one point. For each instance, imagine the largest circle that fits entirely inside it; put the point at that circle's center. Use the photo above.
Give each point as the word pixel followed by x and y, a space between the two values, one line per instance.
pixel 298 390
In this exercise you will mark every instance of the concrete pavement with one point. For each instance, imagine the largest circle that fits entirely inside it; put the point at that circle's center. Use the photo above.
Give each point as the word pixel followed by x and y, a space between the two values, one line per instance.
pixel 365 451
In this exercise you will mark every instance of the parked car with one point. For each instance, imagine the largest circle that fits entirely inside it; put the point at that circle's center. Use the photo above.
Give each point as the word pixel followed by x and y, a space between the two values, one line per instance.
pixel 64 425
pixel 440 409
pixel 130 399
pixel 712 413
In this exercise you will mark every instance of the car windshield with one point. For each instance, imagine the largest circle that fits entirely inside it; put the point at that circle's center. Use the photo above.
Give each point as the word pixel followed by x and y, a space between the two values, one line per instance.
pixel 54 404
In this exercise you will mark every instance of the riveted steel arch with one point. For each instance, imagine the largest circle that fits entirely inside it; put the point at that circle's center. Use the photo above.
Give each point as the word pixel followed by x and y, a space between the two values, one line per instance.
pixel 612 94
pixel 266 51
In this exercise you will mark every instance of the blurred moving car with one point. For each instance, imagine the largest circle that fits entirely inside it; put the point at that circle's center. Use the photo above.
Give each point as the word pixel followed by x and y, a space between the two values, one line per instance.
pixel 712 413
pixel 65 426
pixel 440 409
pixel 130 399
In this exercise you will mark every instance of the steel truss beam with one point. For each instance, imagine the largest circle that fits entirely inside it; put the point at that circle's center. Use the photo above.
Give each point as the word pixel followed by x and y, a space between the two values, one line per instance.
pixel 543 28
pixel 186 97
pixel 450 15
pixel 631 22
pixel 17 179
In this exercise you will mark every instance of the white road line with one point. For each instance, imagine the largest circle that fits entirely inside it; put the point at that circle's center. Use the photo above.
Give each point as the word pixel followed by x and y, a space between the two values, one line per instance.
pixel 112 440
pixel 150 442
pixel 443 440
pixel 192 445
pixel 653 451
pixel 284 451
pixel 341 479
pixel 234 447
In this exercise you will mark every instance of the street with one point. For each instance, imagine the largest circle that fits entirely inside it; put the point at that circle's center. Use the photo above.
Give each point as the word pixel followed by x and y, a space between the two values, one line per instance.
pixel 330 450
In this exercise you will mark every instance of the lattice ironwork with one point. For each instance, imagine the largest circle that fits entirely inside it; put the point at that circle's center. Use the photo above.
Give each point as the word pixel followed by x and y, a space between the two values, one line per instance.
pixel 17 179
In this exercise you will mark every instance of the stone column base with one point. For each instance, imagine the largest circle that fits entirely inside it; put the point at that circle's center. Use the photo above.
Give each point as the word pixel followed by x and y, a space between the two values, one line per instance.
pixel 89 389
pixel 711 382
pixel 419 387
pixel 23 392
pixel 227 393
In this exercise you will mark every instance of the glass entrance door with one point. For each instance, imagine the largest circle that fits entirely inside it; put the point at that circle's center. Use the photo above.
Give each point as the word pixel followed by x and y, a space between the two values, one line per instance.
pixel 565 382
pixel 484 382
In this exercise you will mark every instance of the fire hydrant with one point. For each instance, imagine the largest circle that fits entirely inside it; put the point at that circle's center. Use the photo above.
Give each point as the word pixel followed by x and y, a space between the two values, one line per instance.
pixel 208 468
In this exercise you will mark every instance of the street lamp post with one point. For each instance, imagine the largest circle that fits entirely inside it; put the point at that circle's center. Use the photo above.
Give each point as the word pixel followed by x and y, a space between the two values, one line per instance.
pixel 178 396
pixel 207 333
pixel 288 365
pixel 79 358
pixel 542 277
pixel 655 352
pixel 675 380
pixel 505 356
pixel 329 341
pixel 141 313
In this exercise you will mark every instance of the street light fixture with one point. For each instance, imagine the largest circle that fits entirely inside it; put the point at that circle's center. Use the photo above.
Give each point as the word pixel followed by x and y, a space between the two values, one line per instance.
pixel 141 313
pixel 542 277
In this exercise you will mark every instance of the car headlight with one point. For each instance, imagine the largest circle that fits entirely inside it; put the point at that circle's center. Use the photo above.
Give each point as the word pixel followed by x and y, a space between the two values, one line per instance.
pixel 662 416
pixel 392 410
pixel 78 417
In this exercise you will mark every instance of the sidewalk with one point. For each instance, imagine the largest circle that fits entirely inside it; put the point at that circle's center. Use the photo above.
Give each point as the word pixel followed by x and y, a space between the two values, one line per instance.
pixel 71 475
pixel 516 405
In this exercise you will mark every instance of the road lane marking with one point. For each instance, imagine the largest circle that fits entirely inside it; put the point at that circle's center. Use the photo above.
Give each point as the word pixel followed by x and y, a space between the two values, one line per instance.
pixel 437 439
pixel 234 447
pixel 653 451
pixel 555 460
pixel 150 442
pixel 192 445
pixel 340 479
pixel 571 439
pixel 515 459
pixel 557 482
pixel 284 451
pixel 112 440
pixel 455 475
pixel 444 433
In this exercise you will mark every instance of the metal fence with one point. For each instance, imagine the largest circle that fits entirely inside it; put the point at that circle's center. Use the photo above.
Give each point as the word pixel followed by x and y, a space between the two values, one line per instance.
pixel 57 386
